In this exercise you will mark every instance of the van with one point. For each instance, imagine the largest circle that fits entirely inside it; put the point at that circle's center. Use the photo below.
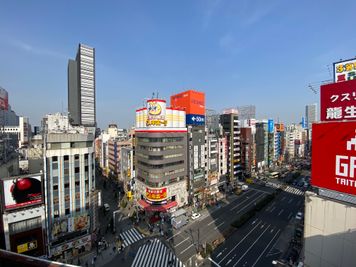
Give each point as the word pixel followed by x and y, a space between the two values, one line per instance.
pixel 244 187
pixel 106 207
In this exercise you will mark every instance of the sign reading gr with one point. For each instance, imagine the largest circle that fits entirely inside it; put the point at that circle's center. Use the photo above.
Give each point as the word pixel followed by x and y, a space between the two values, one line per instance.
pixel 334 156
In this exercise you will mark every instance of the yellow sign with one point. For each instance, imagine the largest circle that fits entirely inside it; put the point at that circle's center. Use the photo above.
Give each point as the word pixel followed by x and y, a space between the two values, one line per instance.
pixel 156 122
pixel 27 246
pixel 154 108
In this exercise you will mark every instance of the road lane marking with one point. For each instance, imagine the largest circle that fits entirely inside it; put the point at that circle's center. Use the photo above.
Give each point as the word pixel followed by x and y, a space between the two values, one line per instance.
pixel 213 221
pixel 219 225
pixel 240 242
pixel 186 249
pixel 210 259
pixel 272 209
pixel 280 212
pixel 238 205
pixel 290 201
pixel 265 248
pixel 251 246
pixel 283 198
pixel 181 242
pixel 290 215
pixel 173 236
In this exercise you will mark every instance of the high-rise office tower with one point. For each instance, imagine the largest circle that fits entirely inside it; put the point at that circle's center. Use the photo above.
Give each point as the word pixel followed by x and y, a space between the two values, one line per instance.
pixel 310 115
pixel 81 87
pixel 230 123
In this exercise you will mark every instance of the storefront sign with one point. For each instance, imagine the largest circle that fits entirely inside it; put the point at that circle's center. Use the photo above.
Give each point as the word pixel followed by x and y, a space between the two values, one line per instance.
pixel 27 246
pixel 156 194
pixel 338 101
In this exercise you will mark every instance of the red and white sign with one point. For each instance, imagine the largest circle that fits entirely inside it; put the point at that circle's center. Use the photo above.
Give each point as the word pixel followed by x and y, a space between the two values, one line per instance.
pixel 334 156
pixel 338 101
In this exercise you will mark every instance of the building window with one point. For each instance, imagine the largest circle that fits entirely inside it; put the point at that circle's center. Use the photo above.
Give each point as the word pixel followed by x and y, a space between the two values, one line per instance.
pixel 67 211
pixel 66 185
pixel 76 169
pixel 66 158
pixel 55 159
pixel 76 156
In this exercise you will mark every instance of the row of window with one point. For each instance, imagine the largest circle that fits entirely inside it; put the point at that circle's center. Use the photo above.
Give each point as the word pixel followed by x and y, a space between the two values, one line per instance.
pixel 66 157
pixel 159 184
pixel 25 225
pixel 164 148
pixel 159 139
pixel 160 157
pixel 160 175
pixel 160 166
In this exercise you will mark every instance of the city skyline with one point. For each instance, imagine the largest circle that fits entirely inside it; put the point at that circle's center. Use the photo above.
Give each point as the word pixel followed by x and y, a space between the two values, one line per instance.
pixel 215 47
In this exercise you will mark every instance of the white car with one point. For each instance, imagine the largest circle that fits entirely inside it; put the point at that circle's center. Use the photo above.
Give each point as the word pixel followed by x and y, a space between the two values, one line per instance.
pixel 299 216
pixel 106 207
pixel 195 216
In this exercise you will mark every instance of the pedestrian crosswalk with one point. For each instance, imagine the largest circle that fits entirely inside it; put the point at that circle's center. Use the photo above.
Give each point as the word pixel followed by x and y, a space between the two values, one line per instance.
pixel 155 253
pixel 130 236
pixel 293 190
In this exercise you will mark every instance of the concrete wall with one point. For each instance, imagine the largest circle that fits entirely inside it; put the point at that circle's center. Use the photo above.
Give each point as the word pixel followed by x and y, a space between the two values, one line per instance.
pixel 330 232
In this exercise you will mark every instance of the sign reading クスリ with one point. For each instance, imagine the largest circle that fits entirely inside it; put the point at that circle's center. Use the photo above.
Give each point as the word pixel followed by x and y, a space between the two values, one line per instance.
pixel 334 156
pixel 338 101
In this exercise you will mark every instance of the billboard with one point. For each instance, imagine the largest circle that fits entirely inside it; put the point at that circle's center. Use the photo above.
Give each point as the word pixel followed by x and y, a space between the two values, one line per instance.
pixel 195 119
pixel 22 191
pixel 156 112
pixel 334 156
pixel 65 225
pixel 156 194
pixel 191 101
pixel 280 127
pixel 270 126
pixel 345 70
pixel 338 101
pixel 4 99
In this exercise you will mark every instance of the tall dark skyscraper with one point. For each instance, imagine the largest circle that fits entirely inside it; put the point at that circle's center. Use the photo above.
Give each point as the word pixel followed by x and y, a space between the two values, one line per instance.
pixel 81 87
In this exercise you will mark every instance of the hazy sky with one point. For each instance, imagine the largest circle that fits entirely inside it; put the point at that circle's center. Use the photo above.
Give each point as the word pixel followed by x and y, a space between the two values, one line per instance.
pixel 238 52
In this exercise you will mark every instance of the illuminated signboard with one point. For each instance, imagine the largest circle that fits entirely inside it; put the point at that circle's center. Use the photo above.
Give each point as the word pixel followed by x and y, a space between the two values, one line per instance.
pixel 334 156
pixel 27 246
pixel 156 194
pixel 156 113
pixel 338 101
pixel 345 70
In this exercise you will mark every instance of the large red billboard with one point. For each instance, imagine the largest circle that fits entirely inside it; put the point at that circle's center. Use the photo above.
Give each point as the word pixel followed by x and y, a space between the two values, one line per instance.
pixel 4 99
pixel 334 156
pixel 338 101
pixel 193 102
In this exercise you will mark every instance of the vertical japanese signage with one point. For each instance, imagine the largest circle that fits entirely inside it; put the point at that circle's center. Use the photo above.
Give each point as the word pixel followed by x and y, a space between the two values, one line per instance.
pixel 334 156
pixel 338 101
pixel 345 70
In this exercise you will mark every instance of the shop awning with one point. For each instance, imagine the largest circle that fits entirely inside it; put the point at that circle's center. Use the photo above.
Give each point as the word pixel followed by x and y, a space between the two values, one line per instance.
pixel 143 204
pixel 162 208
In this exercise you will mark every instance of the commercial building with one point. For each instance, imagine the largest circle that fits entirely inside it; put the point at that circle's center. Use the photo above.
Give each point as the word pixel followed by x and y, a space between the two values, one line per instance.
pixel 311 114
pixel 22 213
pixel 193 103
pixel 81 87
pixel 280 141
pixel 246 150
pixel 230 124
pixel 114 151
pixel 69 186
pixel 261 145
pixel 127 173
pixel 161 157
pixel 246 112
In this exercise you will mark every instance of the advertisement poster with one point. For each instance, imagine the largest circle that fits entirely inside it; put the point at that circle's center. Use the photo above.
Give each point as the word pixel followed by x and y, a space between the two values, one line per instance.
pixel 156 194
pixel 22 191
pixel 345 70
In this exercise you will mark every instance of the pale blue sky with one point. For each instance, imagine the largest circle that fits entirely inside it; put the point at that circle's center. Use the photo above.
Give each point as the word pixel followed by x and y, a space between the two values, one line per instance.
pixel 238 52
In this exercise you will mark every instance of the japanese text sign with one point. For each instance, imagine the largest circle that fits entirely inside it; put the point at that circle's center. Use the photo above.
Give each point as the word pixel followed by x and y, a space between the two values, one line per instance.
pixel 338 101
pixel 345 70
pixel 334 156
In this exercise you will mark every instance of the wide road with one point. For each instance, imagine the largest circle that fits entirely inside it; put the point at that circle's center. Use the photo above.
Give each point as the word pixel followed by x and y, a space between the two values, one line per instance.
pixel 253 244
pixel 211 225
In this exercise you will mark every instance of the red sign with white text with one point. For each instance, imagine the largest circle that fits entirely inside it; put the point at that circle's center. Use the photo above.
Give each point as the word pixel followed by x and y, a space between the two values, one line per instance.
pixel 157 194
pixel 334 156
pixel 338 101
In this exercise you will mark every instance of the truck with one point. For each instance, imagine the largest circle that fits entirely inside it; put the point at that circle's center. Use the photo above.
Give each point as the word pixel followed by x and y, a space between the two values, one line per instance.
pixel 178 222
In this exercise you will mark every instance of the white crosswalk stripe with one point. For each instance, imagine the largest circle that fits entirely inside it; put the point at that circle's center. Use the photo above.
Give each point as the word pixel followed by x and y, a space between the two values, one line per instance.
pixel 294 191
pixel 130 236
pixel 155 253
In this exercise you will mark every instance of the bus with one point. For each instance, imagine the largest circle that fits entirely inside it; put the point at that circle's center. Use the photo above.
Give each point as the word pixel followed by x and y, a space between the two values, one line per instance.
pixel 274 174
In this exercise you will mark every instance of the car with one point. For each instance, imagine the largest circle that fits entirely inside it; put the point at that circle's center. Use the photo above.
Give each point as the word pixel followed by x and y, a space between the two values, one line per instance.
pixel 299 216
pixel 106 207
pixel 244 187
pixel 195 216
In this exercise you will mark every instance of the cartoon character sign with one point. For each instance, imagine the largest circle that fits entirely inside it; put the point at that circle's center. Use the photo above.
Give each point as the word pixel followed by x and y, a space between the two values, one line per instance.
pixel 22 191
